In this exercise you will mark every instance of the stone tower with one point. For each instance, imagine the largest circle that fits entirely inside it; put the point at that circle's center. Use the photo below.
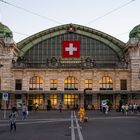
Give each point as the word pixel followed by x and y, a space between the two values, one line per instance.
pixel 8 52
pixel 133 46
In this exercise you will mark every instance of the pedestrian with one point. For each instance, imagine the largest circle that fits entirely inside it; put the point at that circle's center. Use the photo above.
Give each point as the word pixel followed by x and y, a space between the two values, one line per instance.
pixel 135 108
pixel 77 106
pixel 81 113
pixel 60 107
pixel 126 109
pixel 36 107
pixel 106 109
pixel 123 109
pixel 13 117
pixel 24 112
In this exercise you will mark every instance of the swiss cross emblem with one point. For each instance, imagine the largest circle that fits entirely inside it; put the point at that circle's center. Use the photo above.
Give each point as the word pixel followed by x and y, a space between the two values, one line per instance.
pixel 71 49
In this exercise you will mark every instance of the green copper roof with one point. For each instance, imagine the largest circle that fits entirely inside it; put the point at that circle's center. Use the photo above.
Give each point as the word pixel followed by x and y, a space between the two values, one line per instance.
pixel 135 32
pixel 29 42
pixel 5 31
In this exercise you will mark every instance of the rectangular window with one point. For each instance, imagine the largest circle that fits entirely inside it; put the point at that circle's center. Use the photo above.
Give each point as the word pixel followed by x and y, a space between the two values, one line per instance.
pixel 123 84
pixel 53 98
pixel 88 84
pixel 53 84
pixel 18 84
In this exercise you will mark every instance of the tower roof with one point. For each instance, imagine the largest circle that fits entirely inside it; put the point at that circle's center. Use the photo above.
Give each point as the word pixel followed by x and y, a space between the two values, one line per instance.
pixel 5 31
pixel 135 32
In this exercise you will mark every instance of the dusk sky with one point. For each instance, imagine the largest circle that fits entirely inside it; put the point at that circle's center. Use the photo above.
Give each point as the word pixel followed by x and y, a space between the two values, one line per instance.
pixel 27 17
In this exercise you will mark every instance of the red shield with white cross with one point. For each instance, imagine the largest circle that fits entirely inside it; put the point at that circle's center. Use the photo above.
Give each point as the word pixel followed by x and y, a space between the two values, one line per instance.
pixel 71 49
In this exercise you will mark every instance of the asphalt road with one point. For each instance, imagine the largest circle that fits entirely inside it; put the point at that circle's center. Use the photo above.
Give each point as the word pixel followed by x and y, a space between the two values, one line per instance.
pixel 54 125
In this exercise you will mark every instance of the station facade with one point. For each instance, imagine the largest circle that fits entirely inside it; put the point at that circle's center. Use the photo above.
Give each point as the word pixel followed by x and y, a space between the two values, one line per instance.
pixel 71 64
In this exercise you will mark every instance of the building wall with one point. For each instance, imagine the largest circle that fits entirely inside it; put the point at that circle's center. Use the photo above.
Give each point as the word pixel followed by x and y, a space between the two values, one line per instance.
pixel 134 53
pixel 7 54
pixel 8 76
pixel 81 76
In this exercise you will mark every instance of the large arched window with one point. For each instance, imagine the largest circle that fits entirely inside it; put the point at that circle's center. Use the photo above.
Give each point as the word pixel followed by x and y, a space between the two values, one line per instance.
pixel 71 83
pixel 106 83
pixel 36 83
pixel 92 51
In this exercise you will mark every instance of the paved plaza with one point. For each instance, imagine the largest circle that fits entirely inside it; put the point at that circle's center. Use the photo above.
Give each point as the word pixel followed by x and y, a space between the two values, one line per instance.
pixel 52 125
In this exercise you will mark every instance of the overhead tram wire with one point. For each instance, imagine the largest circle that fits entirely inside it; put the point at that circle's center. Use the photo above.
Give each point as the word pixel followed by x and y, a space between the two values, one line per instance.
pixel 31 12
pixel 126 32
pixel 23 34
pixel 110 12
pixel 47 18
pixel 122 33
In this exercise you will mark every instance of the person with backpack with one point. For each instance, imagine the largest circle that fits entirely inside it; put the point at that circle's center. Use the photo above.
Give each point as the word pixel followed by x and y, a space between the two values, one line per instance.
pixel 13 116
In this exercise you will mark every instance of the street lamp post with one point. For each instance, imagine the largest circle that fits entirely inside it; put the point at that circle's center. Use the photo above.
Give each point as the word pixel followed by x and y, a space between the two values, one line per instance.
pixel 85 97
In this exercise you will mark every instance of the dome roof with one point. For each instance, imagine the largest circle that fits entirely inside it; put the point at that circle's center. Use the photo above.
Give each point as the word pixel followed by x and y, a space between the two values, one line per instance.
pixel 5 31
pixel 135 32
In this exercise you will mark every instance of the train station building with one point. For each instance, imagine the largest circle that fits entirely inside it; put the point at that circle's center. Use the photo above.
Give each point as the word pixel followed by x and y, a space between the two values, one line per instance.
pixel 71 64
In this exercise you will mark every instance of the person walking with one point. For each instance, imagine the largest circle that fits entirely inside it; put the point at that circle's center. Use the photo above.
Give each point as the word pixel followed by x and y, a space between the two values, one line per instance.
pixel 60 107
pixel 106 109
pixel 36 107
pixel 81 113
pixel 126 109
pixel 24 112
pixel 123 109
pixel 13 117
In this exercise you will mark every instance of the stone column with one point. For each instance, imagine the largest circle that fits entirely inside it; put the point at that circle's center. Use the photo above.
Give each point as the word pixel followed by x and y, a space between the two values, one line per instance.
pixel 95 101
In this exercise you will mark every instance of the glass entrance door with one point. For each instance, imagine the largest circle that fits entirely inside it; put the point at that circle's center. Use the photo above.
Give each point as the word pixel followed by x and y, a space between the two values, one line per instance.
pixel 70 100
pixel 88 101
pixel 36 99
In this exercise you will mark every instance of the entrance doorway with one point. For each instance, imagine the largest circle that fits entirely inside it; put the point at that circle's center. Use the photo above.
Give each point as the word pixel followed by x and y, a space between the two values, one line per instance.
pixel 124 98
pixel 88 101
pixel 36 99
pixel 108 97
pixel 70 101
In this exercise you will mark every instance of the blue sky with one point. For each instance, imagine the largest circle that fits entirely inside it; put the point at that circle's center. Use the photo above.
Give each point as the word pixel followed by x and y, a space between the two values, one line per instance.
pixel 84 12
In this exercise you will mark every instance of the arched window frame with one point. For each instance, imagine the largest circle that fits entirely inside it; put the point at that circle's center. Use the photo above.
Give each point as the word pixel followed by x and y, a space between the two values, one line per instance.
pixel 71 83
pixel 36 83
pixel 106 83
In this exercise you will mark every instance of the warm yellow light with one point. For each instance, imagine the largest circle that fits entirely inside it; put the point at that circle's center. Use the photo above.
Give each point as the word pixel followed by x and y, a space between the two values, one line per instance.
pixel 53 81
pixel 36 80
